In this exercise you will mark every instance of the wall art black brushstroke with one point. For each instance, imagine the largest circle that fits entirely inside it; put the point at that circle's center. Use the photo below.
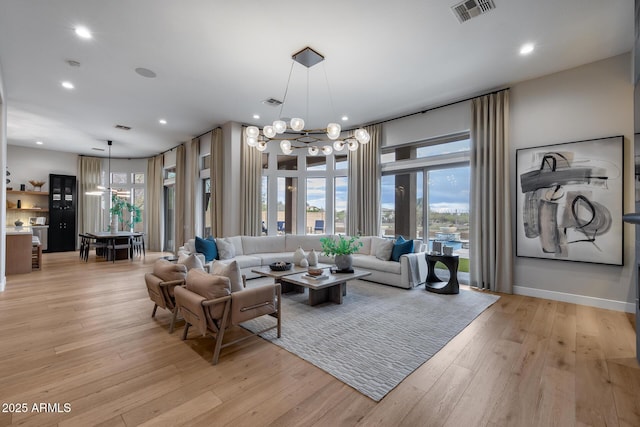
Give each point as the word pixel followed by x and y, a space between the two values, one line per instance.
pixel 569 201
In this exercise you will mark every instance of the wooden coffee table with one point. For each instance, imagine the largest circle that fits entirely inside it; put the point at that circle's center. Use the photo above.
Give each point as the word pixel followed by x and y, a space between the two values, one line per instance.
pixel 333 288
pixel 277 275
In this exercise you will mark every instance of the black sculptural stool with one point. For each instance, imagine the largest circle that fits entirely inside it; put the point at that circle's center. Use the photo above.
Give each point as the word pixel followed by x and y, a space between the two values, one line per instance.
pixel 434 283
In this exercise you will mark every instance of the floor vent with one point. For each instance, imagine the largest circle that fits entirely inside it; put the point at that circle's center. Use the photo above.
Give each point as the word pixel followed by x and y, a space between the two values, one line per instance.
pixel 471 8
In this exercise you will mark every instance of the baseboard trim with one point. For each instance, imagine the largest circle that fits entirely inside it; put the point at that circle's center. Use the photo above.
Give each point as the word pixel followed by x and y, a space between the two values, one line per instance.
pixel 3 283
pixel 576 299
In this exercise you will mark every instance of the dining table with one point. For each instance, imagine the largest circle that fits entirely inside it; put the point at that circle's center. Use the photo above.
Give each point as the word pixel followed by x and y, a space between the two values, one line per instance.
pixel 118 244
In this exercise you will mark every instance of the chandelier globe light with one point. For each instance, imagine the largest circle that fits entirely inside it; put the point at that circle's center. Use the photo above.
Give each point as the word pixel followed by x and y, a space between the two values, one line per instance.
pixel 293 135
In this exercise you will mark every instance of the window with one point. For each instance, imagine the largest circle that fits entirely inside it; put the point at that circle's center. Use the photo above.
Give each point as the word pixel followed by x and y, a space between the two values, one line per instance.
pixel 425 192
pixel 303 194
pixel 315 206
pixel 265 205
pixel 287 206
pixel 340 205
pixel 206 202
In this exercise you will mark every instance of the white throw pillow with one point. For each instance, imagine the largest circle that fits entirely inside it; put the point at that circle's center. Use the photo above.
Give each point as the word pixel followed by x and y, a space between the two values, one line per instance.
pixel 384 250
pixel 190 261
pixel 226 250
pixel 230 270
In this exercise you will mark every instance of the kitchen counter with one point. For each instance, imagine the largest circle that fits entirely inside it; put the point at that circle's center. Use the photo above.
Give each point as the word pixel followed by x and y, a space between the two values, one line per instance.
pixel 12 231
pixel 18 253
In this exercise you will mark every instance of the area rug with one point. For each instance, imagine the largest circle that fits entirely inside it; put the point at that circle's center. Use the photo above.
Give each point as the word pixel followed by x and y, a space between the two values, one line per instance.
pixel 378 336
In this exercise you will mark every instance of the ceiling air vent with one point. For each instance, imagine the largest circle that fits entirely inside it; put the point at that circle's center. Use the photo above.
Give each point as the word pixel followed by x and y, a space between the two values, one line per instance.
pixel 272 102
pixel 123 127
pixel 471 8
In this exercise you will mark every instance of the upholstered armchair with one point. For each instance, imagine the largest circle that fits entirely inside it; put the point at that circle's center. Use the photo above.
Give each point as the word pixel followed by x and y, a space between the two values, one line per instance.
pixel 208 303
pixel 161 285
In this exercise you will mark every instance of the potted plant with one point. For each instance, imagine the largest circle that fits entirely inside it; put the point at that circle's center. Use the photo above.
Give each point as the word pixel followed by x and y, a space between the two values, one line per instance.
pixel 118 208
pixel 341 249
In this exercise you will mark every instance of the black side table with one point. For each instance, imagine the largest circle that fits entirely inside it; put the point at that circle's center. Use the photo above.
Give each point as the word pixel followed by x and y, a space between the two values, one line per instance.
pixel 434 283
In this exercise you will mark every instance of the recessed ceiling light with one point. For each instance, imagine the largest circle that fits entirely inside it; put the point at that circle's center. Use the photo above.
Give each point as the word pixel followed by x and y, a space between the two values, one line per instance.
pixel 526 48
pixel 345 118
pixel 39 142
pixel 67 85
pixel 83 32
pixel 256 116
pixel 162 121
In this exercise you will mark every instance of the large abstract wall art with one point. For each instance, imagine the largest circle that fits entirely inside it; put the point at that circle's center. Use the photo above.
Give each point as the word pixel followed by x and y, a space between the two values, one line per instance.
pixel 569 201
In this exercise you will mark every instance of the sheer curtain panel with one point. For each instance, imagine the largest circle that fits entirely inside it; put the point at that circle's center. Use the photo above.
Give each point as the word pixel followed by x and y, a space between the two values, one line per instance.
pixel 90 214
pixel 363 207
pixel 491 254
pixel 180 196
pixel 154 203
pixel 217 173
pixel 251 177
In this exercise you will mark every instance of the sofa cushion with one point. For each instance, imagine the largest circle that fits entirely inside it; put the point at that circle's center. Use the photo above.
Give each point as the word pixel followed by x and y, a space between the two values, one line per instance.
pixel 236 241
pixel 230 270
pixel 269 258
pixel 190 261
pixel 307 243
pixel 244 261
pixel 401 247
pixel 369 262
pixel 207 247
pixel 226 250
pixel 384 250
pixel 262 244
pixel 168 271
pixel 365 249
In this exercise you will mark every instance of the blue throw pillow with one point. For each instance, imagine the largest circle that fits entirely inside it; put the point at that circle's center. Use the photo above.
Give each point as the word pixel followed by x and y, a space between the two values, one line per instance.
pixel 207 247
pixel 401 247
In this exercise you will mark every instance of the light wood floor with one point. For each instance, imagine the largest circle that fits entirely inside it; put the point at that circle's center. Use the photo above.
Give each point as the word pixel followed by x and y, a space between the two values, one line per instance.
pixel 81 333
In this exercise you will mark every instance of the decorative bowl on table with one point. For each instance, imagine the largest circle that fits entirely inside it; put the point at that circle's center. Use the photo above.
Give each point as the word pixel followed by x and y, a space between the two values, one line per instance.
pixel 314 271
pixel 280 266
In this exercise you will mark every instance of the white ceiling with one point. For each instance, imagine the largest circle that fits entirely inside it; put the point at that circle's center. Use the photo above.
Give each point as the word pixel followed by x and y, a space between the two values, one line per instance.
pixel 217 60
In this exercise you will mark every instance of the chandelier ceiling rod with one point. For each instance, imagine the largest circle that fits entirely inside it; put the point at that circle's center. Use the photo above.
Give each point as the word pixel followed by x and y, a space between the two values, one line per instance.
pixel 295 131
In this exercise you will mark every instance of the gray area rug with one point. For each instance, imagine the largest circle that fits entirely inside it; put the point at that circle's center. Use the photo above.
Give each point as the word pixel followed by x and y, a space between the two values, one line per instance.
pixel 378 336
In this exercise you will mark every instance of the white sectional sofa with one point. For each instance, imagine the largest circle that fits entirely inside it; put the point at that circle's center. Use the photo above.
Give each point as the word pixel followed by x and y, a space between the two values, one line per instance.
pixel 252 252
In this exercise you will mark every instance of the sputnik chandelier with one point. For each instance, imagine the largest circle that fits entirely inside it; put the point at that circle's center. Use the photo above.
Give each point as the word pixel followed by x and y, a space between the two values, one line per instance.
pixel 293 135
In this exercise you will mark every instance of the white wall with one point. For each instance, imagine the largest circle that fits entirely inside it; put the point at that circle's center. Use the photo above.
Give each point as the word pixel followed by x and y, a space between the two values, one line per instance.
pixel 3 192
pixel 36 164
pixel 591 101
pixel 432 124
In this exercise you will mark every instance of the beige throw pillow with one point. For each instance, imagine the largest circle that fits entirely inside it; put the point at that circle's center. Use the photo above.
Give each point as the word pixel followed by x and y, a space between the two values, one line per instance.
pixel 168 271
pixel 230 270
pixel 191 262
pixel 226 250
pixel 384 250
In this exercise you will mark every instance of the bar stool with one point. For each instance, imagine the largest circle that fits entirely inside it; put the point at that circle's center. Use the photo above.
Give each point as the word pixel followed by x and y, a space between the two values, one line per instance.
pixel 36 253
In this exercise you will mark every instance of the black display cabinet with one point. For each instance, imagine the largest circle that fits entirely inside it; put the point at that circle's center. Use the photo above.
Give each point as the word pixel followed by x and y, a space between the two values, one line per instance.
pixel 62 213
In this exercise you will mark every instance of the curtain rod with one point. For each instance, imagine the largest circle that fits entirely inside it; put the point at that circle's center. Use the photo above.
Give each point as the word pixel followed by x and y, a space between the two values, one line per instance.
pixel 375 123
pixel 439 106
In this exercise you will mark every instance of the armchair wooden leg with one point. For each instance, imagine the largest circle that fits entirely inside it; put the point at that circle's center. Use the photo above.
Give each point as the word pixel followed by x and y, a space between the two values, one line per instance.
pixel 173 320
pixel 220 334
pixel 186 331
pixel 155 307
